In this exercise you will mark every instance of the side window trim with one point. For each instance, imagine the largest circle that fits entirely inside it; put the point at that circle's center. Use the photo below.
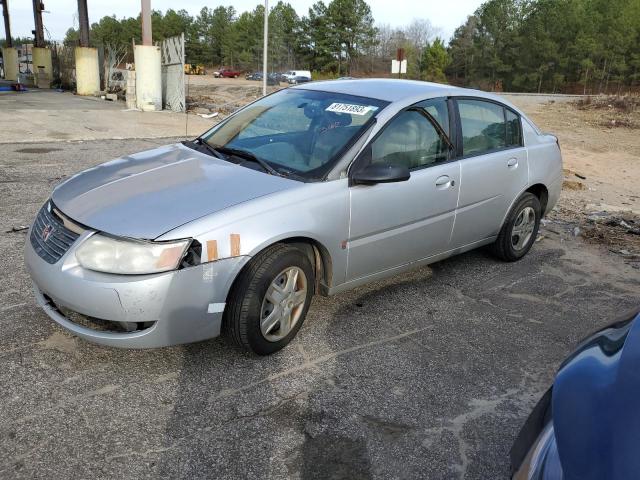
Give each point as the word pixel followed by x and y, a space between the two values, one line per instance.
pixel 461 155
pixel 520 130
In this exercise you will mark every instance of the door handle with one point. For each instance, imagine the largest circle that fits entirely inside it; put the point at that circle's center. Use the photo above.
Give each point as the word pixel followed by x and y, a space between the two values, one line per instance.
pixel 512 163
pixel 443 182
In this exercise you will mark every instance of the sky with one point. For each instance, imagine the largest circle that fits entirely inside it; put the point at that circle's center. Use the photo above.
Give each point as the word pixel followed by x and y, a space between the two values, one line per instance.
pixel 446 15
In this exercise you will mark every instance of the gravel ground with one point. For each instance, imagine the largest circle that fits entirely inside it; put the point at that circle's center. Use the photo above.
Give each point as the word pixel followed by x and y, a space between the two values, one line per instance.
pixel 427 375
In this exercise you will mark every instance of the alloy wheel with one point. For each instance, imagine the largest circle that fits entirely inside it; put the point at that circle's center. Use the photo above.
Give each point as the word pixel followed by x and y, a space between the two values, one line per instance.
pixel 283 304
pixel 523 228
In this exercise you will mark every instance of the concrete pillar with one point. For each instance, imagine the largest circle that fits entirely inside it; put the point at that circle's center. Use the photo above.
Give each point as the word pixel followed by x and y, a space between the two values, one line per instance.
pixel 148 77
pixel 42 62
pixel 87 71
pixel 131 90
pixel 10 58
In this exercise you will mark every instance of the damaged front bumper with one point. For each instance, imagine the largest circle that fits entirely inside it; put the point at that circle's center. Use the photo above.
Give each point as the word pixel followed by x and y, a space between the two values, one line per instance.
pixel 133 311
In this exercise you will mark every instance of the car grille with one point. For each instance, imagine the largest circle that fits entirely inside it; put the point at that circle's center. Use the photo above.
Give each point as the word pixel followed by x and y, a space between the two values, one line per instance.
pixel 49 236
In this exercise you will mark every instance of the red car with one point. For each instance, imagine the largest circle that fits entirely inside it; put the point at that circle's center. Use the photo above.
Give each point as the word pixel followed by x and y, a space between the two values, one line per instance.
pixel 228 73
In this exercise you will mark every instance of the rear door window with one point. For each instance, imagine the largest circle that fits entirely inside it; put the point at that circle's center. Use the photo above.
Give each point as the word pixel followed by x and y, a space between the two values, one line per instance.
pixel 483 126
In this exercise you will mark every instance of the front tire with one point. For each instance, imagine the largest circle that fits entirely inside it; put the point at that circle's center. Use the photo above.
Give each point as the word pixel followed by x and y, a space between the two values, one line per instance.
pixel 520 229
pixel 270 299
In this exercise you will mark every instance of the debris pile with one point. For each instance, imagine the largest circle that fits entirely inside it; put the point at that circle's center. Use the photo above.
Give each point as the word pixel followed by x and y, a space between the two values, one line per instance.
pixel 206 99
pixel 618 231
pixel 614 111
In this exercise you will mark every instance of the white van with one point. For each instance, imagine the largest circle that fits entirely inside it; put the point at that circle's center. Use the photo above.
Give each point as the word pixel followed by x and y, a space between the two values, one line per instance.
pixel 298 76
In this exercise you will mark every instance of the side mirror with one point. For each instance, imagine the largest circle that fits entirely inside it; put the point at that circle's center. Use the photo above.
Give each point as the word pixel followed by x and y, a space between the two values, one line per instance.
pixel 380 173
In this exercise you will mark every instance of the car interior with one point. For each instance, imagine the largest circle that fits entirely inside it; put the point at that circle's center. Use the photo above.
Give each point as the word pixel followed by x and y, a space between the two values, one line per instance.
pixel 411 141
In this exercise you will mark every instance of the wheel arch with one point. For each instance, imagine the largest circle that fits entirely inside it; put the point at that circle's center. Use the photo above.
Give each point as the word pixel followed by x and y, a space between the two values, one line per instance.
pixel 318 254
pixel 539 190
pixel 542 192
pixel 320 259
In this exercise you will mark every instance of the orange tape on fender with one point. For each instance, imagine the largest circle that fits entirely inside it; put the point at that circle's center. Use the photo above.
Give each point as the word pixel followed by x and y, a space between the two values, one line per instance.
pixel 235 244
pixel 212 250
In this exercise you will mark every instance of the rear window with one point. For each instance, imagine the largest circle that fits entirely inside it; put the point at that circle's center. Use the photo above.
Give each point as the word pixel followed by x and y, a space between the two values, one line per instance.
pixel 483 127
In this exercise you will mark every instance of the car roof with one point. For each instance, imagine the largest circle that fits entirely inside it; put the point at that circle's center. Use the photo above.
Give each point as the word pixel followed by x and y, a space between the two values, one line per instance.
pixel 394 90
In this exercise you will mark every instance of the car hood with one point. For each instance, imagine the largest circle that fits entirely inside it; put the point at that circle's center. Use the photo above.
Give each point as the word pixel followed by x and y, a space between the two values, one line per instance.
pixel 595 405
pixel 152 192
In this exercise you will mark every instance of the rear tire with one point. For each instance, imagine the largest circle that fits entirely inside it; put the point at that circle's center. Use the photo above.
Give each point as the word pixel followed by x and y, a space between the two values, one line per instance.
pixel 270 299
pixel 520 229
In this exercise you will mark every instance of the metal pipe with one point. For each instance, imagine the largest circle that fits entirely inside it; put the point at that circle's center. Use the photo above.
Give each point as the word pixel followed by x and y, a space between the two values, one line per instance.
pixel 38 33
pixel 83 20
pixel 264 47
pixel 7 25
pixel 146 22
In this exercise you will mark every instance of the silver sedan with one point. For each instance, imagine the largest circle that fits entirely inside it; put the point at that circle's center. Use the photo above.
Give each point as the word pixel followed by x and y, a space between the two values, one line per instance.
pixel 315 189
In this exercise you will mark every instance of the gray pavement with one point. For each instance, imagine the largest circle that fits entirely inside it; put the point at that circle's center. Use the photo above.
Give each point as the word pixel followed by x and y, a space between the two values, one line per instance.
pixel 427 375
pixel 54 116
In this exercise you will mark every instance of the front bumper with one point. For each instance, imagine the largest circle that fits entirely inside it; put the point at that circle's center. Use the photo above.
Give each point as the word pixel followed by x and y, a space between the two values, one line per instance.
pixel 177 307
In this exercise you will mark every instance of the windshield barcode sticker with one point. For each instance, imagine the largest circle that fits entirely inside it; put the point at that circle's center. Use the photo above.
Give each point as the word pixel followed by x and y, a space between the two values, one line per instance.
pixel 349 108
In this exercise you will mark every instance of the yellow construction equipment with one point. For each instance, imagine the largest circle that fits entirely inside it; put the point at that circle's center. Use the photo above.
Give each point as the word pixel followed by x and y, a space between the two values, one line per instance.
pixel 193 69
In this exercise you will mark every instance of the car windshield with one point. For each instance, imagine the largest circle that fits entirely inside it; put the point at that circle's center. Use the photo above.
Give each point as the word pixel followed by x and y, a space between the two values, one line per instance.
pixel 295 130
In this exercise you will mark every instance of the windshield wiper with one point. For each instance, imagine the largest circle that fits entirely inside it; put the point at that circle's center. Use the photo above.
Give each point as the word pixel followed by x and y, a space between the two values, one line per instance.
pixel 247 155
pixel 211 149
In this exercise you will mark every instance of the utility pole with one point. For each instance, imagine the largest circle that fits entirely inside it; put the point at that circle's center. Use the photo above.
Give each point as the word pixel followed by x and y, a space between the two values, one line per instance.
pixel 87 67
pixel 83 20
pixel 9 54
pixel 148 60
pixel 146 22
pixel 7 25
pixel 38 33
pixel 264 47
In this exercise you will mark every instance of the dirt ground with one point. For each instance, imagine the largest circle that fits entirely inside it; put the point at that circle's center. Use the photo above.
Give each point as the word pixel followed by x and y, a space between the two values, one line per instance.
pixel 206 94
pixel 601 153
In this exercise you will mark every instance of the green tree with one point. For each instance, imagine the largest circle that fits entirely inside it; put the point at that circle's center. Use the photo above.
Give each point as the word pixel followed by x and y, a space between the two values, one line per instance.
pixel 537 45
pixel 284 36
pixel 318 45
pixel 435 60
pixel 351 28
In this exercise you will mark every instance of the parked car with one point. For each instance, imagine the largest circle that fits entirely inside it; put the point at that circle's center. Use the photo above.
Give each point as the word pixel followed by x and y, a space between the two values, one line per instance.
pixel 587 425
pixel 272 78
pixel 297 80
pixel 318 188
pixel 254 76
pixel 281 77
pixel 229 73
pixel 298 76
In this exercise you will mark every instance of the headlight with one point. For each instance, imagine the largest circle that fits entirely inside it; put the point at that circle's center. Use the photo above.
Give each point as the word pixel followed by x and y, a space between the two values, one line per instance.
pixel 106 254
